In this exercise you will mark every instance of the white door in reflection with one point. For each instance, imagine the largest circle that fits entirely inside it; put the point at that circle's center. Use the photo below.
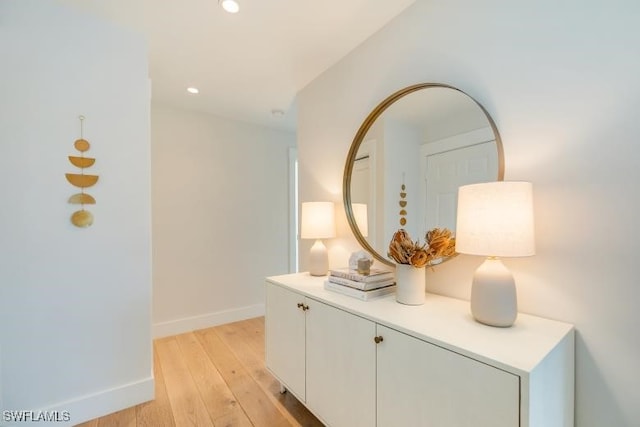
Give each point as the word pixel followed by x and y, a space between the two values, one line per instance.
pixel 363 187
pixel 473 160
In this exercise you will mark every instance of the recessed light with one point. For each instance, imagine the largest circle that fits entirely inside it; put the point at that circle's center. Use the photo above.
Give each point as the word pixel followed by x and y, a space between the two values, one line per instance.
pixel 193 90
pixel 231 6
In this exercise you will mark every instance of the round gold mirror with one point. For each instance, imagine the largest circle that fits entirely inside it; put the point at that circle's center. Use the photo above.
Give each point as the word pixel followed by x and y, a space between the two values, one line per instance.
pixel 429 138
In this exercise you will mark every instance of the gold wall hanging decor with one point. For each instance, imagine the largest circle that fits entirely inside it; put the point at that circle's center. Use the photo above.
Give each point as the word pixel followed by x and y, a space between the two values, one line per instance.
pixel 82 218
pixel 403 204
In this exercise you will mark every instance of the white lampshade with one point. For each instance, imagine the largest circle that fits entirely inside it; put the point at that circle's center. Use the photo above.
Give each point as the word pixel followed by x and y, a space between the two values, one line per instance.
pixel 495 219
pixel 231 6
pixel 317 220
pixel 360 215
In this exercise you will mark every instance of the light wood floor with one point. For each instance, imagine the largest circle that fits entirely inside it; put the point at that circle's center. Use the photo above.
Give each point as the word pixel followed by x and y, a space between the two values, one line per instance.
pixel 213 377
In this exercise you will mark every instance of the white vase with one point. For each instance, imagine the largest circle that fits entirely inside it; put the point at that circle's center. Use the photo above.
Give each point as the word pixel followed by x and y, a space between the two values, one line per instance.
pixel 410 284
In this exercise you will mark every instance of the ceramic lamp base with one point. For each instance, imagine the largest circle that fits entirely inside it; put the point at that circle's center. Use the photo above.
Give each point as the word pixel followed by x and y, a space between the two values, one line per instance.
pixel 493 294
pixel 318 259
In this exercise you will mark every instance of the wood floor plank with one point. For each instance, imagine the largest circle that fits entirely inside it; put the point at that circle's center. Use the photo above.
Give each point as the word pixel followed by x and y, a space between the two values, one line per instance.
pixel 92 423
pixel 123 418
pixel 186 402
pixel 251 396
pixel 254 330
pixel 220 402
pixel 156 413
pixel 237 341
pixel 246 341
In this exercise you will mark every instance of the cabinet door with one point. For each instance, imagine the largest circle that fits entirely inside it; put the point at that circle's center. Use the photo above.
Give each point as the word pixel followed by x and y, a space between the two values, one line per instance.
pixel 340 366
pixel 420 384
pixel 285 338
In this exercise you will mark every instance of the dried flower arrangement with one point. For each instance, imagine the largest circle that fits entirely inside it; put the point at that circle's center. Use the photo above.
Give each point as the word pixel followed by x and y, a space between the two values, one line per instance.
pixel 440 243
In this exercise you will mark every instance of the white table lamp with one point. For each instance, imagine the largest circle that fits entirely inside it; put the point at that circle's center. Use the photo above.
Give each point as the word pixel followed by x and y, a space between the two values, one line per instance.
pixel 318 222
pixel 495 219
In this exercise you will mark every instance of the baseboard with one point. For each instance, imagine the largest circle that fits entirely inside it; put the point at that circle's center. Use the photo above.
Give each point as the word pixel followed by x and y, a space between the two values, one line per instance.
pixel 104 402
pixel 188 324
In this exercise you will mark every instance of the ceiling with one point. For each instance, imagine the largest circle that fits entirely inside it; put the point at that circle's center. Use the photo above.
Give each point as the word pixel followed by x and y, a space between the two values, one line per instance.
pixel 246 64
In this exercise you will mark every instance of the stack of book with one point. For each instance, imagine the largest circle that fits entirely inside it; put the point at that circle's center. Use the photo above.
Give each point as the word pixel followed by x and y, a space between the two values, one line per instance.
pixel 377 283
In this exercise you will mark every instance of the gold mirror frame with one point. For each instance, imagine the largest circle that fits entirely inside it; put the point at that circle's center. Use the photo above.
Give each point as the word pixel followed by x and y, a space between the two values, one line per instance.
pixel 362 132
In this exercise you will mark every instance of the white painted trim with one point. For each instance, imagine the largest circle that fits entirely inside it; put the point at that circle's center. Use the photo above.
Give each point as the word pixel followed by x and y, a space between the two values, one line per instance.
pixel 293 210
pixel 105 402
pixel 188 324
pixel 461 140
pixel 1 395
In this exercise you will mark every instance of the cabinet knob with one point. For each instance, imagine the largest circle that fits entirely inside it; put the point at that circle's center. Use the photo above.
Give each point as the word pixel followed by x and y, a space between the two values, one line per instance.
pixel 378 339
pixel 305 307
pixel 300 305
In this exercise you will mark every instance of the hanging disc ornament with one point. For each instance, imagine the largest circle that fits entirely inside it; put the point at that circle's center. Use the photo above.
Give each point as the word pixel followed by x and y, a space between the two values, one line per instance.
pixel 82 218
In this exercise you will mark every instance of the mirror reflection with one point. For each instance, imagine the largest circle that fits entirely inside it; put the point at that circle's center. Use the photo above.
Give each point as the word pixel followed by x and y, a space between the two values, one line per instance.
pixel 430 138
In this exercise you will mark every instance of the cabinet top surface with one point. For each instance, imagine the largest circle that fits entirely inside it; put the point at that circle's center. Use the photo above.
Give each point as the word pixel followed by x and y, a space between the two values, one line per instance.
pixel 446 322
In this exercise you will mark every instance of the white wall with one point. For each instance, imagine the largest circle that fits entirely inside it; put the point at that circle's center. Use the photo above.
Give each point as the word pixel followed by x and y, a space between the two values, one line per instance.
pixel 74 303
pixel 561 81
pixel 220 217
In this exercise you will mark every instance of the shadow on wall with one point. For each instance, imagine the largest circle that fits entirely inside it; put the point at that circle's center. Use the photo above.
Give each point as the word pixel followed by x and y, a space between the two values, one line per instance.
pixel 590 377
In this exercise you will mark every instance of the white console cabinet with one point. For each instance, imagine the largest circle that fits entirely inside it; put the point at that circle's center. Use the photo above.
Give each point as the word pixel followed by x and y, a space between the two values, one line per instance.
pixel 380 363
